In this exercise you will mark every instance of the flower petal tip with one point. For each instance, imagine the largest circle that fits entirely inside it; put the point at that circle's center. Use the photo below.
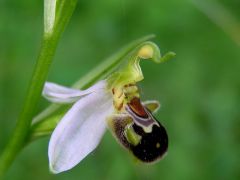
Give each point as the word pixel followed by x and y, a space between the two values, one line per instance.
pixel 52 170
pixel 56 169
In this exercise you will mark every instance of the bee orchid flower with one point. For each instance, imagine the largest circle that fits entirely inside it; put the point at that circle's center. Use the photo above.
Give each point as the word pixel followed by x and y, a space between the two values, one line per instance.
pixel 114 103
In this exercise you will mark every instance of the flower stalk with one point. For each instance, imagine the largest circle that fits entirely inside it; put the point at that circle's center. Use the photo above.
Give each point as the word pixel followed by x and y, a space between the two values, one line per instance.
pixel 62 10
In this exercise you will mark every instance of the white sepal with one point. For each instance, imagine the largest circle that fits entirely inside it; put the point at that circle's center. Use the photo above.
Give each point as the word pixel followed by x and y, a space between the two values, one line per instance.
pixel 80 131
pixel 61 94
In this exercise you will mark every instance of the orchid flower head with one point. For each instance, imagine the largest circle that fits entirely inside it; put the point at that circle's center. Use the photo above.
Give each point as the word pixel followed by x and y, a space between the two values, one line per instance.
pixel 114 103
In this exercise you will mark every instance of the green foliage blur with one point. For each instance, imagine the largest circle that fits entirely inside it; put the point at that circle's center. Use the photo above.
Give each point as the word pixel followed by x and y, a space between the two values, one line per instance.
pixel 199 90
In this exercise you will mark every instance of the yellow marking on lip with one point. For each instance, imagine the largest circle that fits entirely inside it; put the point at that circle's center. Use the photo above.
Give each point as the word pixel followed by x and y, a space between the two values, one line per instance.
pixel 132 137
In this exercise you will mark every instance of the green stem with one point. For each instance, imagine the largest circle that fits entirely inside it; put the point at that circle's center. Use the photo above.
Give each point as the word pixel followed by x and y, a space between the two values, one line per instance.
pixel 50 41
pixel 40 73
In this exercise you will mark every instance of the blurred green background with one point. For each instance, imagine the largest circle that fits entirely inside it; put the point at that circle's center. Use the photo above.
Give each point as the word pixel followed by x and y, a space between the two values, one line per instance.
pixel 199 90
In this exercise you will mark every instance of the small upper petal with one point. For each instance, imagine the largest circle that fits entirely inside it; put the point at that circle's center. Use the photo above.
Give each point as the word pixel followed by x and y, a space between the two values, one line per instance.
pixel 80 131
pixel 61 94
pixel 152 105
